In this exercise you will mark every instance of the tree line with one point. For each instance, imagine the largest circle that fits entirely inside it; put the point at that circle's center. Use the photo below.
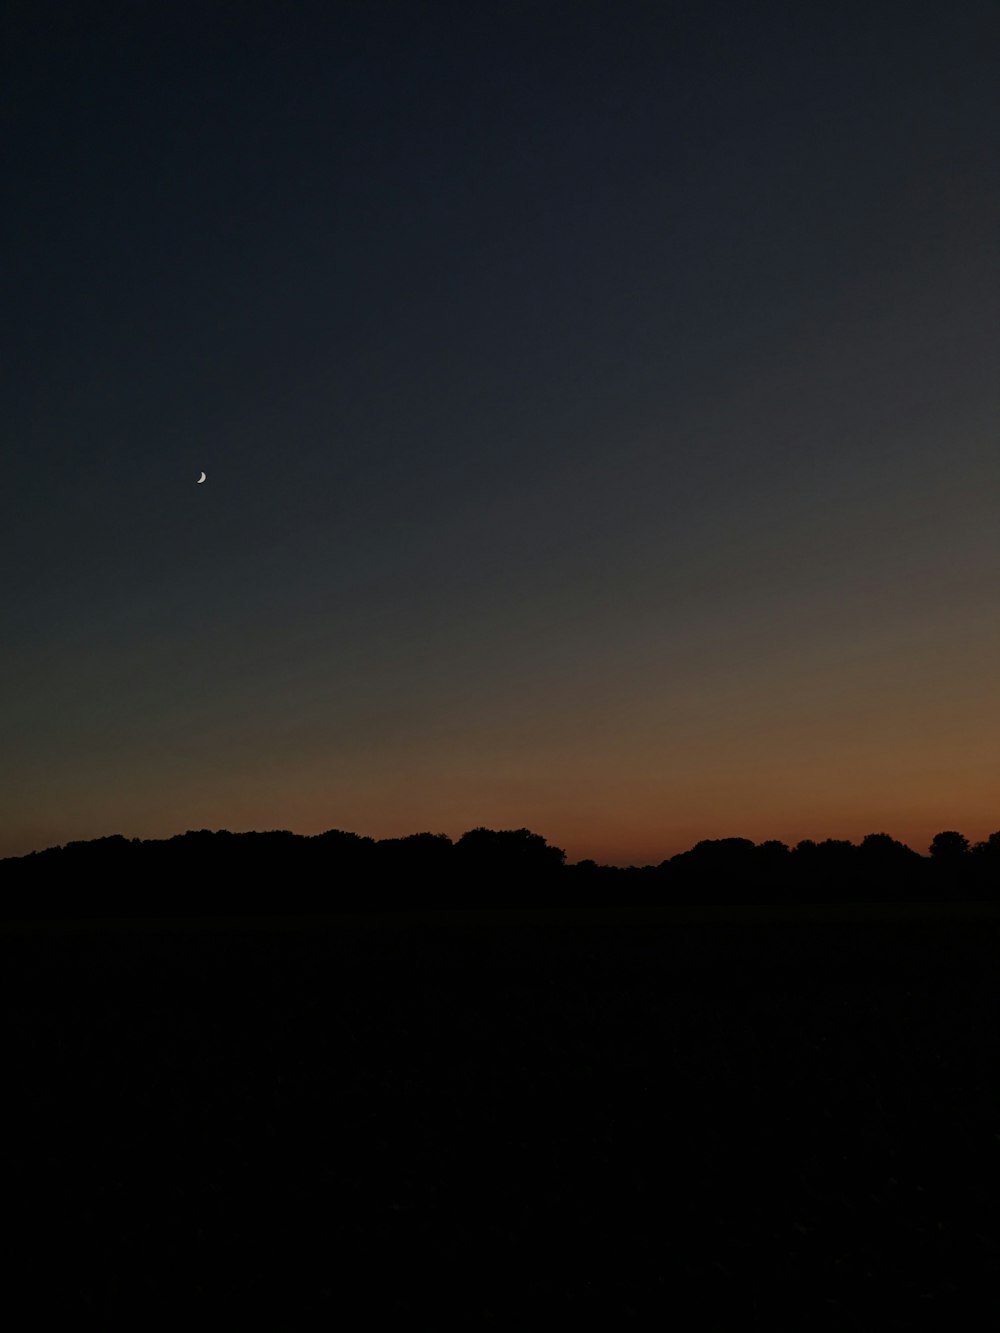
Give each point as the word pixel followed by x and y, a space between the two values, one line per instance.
pixel 277 872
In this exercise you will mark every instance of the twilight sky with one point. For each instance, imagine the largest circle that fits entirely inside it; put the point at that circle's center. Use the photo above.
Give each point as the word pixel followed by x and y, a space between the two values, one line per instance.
pixel 598 403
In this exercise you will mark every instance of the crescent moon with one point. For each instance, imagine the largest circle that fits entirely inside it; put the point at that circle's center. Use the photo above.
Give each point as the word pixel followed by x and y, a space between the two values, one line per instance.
pixel 201 478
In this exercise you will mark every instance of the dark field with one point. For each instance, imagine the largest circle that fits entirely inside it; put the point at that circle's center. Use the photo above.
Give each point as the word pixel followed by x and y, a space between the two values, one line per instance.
pixel 727 1125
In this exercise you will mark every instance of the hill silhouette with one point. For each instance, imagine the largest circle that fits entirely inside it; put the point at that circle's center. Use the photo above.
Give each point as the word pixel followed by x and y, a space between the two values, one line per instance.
pixel 280 872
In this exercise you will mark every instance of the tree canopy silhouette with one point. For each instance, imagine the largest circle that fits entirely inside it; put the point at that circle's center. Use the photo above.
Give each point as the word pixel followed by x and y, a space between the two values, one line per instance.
pixel 278 871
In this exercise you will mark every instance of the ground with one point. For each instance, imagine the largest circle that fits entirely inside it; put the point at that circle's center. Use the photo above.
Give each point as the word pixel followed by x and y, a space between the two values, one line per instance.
pixel 766 1123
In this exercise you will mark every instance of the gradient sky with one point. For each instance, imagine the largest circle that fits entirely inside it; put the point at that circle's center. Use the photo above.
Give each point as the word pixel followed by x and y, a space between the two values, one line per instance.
pixel 598 402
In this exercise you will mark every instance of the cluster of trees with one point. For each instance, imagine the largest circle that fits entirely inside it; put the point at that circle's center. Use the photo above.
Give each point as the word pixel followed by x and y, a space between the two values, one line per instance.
pixel 878 869
pixel 280 871
pixel 275 872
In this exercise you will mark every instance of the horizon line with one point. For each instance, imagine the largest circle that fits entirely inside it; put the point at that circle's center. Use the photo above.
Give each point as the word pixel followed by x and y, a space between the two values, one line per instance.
pixel 630 865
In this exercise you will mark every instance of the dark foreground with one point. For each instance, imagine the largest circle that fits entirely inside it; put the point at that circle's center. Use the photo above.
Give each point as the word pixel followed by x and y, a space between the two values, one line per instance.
pixel 726 1125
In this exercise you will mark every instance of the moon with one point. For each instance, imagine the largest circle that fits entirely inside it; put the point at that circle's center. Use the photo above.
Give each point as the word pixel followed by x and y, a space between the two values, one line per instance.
pixel 201 479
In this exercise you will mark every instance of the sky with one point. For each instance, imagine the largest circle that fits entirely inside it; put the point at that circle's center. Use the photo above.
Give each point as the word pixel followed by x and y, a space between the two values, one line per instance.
pixel 598 404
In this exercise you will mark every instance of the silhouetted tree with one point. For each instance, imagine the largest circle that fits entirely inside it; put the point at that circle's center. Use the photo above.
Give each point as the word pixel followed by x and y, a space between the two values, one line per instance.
pixel 430 851
pixel 513 857
pixel 949 846
pixel 952 868
pixel 885 849
pixel 715 870
pixel 339 864
pixel 888 870
pixel 416 870
pixel 985 864
pixel 771 871
pixel 339 853
pixel 824 871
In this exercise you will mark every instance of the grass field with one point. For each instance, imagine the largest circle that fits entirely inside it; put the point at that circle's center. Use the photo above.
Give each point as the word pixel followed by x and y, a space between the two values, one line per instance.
pixel 785 1122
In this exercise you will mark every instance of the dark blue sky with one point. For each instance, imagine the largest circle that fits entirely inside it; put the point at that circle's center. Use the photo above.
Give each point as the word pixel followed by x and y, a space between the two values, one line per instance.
pixel 598 404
